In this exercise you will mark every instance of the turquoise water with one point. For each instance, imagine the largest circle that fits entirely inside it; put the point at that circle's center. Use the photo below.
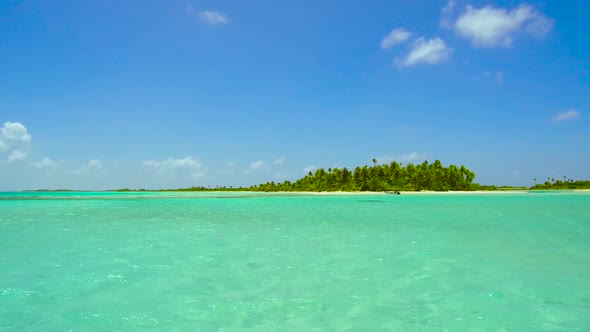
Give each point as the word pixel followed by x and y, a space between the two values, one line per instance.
pixel 252 262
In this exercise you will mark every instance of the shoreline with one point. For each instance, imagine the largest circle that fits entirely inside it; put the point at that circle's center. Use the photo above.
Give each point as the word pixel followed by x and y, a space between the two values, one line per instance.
pixel 411 193
pixel 416 193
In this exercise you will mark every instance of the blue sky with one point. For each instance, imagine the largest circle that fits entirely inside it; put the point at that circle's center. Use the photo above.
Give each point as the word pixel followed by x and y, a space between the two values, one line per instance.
pixel 160 94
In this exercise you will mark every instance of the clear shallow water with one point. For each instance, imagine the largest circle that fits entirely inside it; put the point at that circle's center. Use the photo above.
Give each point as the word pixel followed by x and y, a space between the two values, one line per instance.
pixel 243 261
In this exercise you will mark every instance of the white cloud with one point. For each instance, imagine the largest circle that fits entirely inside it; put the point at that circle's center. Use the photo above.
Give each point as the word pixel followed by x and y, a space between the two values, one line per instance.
pixel 14 131
pixel 227 170
pixel 45 163
pixel 92 166
pixel 413 157
pixel 424 51
pixel 256 166
pixel 396 36
pixel 260 164
pixel 213 18
pixel 181 169
pixel 569 115
pixel 170 163
pixel 310 168
pixel 94 163
pixel 446 13
pixel 403 158
pixel 208 16
pixel 539 26
pixel 490 26
pixel 16 155
pixel 15 138
pixel 279 161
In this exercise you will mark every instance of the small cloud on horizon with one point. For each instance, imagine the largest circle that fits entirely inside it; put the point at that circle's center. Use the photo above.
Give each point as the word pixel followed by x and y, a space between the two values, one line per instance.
pixel 171 163
pixel 279 161
pixel 45 163
pixel 172 167
pixel 256 166
pixel 403 158
pixel 564 116
pixel 94 163
pixel 93 166
pixel 260 164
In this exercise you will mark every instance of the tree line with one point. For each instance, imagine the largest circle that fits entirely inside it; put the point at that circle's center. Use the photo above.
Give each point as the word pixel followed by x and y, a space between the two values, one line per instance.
pixel 552 183
pixel 380 177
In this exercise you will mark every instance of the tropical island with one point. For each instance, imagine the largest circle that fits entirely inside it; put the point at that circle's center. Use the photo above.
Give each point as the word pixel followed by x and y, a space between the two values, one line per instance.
pixel 391 177
pixel 566 184
pixel 381 177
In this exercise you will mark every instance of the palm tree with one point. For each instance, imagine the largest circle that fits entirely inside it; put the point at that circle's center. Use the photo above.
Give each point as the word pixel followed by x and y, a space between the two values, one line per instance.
pixel 468 176
pixel 374 161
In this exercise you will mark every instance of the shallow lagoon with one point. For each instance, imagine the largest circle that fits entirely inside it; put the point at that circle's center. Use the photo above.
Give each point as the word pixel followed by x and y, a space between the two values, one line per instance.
pixel 264 262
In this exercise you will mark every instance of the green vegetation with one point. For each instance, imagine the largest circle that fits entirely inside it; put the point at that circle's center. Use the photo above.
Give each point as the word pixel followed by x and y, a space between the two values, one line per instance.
pixel 552 184
pixel 386 177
